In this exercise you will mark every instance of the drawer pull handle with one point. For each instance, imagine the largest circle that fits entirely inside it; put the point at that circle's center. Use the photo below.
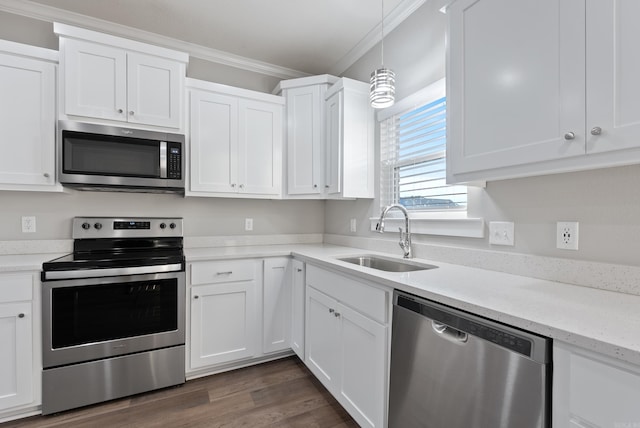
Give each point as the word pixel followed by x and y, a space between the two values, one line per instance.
pixel 229 272
pixel 336 314
pixel 299 270
pixel 569 136
pixel 196 297
pixel 20 315
pixel 331 310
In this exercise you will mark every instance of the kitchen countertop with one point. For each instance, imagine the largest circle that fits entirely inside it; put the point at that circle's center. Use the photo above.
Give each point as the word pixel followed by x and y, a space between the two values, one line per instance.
pixel 606 322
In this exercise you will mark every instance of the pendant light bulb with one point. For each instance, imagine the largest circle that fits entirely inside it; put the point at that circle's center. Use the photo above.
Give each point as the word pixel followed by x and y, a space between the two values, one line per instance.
pixel 382 92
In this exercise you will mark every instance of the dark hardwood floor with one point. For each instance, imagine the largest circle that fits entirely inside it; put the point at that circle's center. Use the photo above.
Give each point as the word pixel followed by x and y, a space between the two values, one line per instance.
pixel 280 393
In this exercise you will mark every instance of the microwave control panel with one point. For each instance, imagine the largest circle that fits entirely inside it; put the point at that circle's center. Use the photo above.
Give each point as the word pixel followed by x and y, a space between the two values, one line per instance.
pixel 174 160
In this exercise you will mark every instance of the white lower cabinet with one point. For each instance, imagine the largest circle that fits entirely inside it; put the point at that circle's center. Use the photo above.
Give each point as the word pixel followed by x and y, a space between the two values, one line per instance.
pixel 346 342
pixel 224 305
pixel 297 307
pixel 276 305
pixel 20 362
pixel 593 391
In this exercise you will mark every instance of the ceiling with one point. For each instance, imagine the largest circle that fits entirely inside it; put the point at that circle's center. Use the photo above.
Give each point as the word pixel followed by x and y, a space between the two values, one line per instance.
pixel 286 38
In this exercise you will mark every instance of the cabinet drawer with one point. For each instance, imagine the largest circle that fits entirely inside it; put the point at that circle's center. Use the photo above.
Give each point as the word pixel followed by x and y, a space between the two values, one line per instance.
pixel 361 296
pixel 222 271
pixel 16 287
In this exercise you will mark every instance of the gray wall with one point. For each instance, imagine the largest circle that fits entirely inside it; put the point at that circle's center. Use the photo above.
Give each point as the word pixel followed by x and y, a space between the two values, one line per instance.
pixel 605 202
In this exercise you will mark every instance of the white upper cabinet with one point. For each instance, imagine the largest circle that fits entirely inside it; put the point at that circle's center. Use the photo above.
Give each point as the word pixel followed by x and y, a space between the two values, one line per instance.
pixel 113 79
pixel 27 117
pixel 235 142
pixel 305 133
pixel 529 94
pixel 349 130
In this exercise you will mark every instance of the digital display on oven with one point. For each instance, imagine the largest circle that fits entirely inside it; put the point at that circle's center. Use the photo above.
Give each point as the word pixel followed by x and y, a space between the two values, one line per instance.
pixel 119 225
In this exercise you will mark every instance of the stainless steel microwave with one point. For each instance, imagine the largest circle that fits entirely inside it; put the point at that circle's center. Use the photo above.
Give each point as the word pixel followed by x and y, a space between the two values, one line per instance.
pixel 103 157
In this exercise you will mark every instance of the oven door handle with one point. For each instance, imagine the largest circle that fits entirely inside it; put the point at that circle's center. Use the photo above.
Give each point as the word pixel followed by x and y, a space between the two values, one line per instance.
pixel 97 273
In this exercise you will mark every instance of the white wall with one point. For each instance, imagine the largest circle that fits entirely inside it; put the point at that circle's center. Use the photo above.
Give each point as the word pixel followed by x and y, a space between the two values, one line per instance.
pixel 605 202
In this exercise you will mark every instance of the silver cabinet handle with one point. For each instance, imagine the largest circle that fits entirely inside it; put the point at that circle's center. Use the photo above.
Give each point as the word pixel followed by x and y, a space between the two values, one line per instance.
pixel 120 110
pixel 131 113
pixel 229 272
pixel 241 186
pixel 299 270
pixel 196 297
pixel 331 310
pixel 326 186
pixel 20 315
pixel 315 186
pixel 596 130
pixel 569 136
pixel 46 175
pixel 233 184
pixel 336 314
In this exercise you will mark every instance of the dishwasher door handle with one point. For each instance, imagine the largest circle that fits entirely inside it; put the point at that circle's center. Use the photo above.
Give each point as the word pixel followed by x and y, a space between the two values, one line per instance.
pixel 449 333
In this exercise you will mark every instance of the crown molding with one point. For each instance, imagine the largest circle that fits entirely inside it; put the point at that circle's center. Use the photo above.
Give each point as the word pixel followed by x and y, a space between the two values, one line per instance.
pixel 391 21
pixel 51 14
pixel 42 12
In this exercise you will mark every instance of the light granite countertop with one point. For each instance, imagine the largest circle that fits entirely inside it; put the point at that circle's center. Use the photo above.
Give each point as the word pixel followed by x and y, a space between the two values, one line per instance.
pixel 603 321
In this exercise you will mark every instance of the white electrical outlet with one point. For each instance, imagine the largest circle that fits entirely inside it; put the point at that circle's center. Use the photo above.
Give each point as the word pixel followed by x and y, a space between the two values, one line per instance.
pixel 501 233
pixel 567 235
pixel 248 224
pixel 28 224
pixel 352 225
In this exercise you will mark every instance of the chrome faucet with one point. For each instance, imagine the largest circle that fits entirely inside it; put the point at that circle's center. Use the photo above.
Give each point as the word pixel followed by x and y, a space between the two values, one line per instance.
pixel 405 238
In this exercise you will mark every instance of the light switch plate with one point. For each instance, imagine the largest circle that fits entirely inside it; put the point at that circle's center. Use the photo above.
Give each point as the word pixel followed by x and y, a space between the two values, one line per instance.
pixel 353 225
pixel 501 233
pixel 28 224
pixel 248 224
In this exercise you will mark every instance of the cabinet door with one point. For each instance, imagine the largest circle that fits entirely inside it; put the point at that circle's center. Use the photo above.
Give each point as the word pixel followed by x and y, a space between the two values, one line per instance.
pixel 334 127
pixel 95 80
pixel 16 355
pixel 260 147
pixel 363 351
pixel 154 90
pixel 297 308
pixel 27 121
pixel 593 391
pixel 214 142
pixel 276 309
pixel 515 84
pixel 613 67
pixel 305 140
pixel 223 323
pixel 322 338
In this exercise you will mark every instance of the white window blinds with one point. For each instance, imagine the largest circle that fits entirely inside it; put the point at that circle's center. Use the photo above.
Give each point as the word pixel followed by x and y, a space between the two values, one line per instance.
pixel 413 166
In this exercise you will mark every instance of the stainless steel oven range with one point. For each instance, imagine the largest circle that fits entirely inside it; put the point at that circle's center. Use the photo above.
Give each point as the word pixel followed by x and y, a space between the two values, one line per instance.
pixel 113 312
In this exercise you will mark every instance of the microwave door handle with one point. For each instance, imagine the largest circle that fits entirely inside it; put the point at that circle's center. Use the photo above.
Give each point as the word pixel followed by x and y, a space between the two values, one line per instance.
pixel 163 159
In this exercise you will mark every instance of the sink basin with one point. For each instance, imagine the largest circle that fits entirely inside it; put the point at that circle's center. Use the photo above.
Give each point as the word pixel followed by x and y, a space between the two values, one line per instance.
pixel 387 264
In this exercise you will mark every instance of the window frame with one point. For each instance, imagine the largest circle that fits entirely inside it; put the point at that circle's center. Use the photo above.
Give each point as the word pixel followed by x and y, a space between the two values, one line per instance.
pixel 450 222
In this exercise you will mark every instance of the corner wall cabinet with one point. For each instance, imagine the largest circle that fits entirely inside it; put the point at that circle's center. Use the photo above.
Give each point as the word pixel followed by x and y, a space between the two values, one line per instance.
pixel 20 359
pixel 235 141
pixel 346 342
pixel 305 133
pixel 350 142
pixel 330 138
pixel 593 391
pixel 27 117
pixel 524 101
pixel 117 80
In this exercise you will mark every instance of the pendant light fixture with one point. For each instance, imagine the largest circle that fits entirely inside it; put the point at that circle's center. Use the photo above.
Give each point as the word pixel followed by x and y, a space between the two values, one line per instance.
pixel 382 91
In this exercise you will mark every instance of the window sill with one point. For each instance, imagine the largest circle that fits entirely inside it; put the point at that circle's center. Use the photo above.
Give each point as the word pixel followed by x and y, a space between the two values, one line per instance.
pixel 424 224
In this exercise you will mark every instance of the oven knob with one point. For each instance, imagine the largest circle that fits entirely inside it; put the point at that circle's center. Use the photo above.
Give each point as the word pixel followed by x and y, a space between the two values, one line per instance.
pixel 172 225
pixel 98 226
pixel 86 226
pixel 163 226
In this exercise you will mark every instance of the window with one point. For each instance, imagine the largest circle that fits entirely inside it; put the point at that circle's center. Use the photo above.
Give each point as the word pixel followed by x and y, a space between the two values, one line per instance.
pixel 413 165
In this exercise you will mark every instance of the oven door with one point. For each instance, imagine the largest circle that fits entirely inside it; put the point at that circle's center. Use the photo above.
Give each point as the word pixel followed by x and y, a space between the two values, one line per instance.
pixel 94 318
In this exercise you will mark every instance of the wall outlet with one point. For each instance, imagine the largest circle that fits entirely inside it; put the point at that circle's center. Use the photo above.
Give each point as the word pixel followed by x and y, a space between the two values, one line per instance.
pixel 353 224
pixel 28 224
pixel 567 235
pixel 501 233
pixel 248 224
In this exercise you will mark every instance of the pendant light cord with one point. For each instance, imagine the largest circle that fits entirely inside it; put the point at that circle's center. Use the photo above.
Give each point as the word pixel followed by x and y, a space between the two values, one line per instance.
pixel 382 33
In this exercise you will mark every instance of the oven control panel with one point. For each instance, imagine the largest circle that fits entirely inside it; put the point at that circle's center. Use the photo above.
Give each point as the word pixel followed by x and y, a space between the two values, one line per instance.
pixel 112 227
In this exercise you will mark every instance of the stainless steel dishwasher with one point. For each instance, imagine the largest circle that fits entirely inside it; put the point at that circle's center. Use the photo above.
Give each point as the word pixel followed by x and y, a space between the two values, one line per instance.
pixel 451 369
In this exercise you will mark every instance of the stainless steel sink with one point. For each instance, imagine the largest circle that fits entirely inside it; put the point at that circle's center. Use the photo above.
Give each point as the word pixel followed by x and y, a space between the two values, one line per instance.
pixel 387 264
